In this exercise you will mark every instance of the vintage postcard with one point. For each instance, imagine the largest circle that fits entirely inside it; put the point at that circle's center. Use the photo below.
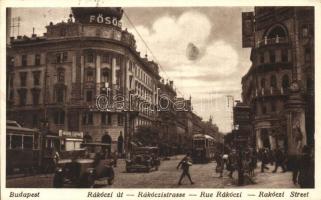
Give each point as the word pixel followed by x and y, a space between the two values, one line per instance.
pixel 114 100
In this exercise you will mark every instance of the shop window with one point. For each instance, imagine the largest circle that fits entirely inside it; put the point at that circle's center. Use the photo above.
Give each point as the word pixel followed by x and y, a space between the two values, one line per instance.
pixel 37 59
pixel 24 60
pixel 16 142
pixel 23 79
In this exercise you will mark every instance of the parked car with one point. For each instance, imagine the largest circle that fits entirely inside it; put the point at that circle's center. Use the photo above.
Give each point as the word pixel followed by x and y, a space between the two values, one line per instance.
pixel 94 165
pixel 143 159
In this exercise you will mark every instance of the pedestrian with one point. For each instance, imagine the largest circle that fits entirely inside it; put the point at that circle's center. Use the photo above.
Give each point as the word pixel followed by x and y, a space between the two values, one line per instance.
pixel 184 164
pixel 279 160
pixel 107 140
pixel 231 163
pixel 306 169
pixel 219 164
pixel 264 160
pixel 120 144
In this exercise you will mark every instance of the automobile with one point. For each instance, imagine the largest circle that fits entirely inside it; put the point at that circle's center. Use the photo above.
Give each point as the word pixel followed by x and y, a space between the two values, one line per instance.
pixel 143 159
pixel 84 171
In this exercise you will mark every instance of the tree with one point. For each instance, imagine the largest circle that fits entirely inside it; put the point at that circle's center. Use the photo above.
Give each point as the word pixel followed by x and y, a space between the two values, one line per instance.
pixel 147 135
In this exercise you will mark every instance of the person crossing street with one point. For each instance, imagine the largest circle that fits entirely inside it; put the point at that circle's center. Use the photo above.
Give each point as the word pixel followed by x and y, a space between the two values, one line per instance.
pixel 184 164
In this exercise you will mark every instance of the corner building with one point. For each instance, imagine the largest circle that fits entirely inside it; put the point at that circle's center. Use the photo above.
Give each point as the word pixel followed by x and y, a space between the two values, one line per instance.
pixel 279 86
pixel 57 77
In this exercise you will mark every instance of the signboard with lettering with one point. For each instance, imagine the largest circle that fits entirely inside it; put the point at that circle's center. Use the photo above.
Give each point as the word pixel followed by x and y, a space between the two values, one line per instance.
pixel 74 134
pixel 247 29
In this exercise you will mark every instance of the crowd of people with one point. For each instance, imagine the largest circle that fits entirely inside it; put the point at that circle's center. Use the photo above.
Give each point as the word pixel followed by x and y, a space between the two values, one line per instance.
pixel 247 160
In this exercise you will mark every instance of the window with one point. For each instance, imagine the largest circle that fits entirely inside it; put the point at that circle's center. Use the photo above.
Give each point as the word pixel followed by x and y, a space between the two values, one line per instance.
pixel 27 142
pixel 65 56
pixel 61 75
pixel 88 118
pixel 58 58
pixel 307 55
pixel 37 59
pixel 262 83
pixel 273 81
pixel 272 57
pixel 105 75
pixel 11 80
pixel 284 55
pixel 59 117
pixel 130 81
pixel 118 60
pixel 109 119
pixel 22 97
pixel 36 78
pixel 24 60
pixel 305 31
pixel 105 58
pixel 11 96
pixel 90 58
pixel 35 97
pixel 35 120
pixel 16 142
pixel 89 96
pixel 118 77
pixel 23 79
pixel 90 75
pixel 120 120
pixel 285 82
pixel 60 92
pixel 130 68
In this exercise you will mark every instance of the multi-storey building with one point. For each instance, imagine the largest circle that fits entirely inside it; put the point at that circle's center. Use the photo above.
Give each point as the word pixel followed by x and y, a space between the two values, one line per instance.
pixel 279 86
pixel 58 77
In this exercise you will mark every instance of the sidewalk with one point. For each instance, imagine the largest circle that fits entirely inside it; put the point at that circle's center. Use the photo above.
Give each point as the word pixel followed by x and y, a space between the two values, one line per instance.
pixel 267 179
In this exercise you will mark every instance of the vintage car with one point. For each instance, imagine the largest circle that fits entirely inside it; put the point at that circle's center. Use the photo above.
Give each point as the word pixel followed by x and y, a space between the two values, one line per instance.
pixel 143 159
pixel 95 165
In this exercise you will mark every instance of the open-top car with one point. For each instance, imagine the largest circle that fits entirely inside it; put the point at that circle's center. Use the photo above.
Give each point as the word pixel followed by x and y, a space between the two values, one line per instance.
pixel 83 171
pixel 143 159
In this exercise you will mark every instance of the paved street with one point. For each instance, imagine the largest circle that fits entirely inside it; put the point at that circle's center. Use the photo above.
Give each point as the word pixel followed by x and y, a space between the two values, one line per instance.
pixel 167 176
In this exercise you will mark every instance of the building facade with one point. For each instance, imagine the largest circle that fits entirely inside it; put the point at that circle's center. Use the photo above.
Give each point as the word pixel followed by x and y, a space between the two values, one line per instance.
pixel 58 78
pixel 279 86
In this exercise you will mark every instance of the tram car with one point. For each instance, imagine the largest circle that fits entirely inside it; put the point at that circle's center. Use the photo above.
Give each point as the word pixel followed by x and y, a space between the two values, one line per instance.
pixel 23 148
pixel 28 151
pixel 203 148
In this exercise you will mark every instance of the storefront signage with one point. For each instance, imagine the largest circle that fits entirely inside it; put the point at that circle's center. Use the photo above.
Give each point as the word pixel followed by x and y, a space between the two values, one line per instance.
pixel 101 19
pixel 74 134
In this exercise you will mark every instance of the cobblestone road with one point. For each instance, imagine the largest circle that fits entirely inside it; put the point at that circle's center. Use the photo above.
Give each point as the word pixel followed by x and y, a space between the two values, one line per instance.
pixel 167 176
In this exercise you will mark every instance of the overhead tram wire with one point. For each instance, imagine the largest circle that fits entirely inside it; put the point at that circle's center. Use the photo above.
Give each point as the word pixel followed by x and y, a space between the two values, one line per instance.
pixel 146 45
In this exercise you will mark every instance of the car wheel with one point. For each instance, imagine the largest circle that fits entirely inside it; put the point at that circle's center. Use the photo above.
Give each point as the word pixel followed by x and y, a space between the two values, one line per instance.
pixel 87 181
pixel 58 181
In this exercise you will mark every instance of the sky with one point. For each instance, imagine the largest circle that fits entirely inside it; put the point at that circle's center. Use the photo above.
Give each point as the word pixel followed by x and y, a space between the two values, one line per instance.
pixel 216 68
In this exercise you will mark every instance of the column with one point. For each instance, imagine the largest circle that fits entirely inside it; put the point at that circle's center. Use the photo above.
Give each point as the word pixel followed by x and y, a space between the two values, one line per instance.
pixel 98 76
pixel 82 74
pixel 272 141
pixel 113 71
pixel 259 143
pixel 73 70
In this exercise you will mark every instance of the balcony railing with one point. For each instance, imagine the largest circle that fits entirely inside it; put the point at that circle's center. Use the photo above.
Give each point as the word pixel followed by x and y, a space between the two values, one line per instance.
pixel 269 41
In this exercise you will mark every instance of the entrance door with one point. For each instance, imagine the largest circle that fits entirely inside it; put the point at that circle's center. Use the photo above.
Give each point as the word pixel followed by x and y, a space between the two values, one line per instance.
pixel 265 138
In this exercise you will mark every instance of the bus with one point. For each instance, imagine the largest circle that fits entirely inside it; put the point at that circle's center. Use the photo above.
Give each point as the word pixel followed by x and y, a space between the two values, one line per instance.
pixel 203 148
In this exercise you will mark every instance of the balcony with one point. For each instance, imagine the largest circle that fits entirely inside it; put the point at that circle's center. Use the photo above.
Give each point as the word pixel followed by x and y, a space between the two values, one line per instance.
pixel 271 41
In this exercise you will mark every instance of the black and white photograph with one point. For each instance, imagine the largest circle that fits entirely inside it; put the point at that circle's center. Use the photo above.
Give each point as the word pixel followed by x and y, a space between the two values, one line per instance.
pixel 213 97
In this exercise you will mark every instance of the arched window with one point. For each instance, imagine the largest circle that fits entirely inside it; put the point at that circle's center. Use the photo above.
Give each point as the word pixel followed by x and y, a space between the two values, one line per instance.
pixel 285 82
pixel 277 31
pixel 273 81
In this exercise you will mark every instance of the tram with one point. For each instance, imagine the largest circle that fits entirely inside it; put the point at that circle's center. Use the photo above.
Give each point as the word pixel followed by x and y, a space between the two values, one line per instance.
pixel 203 148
